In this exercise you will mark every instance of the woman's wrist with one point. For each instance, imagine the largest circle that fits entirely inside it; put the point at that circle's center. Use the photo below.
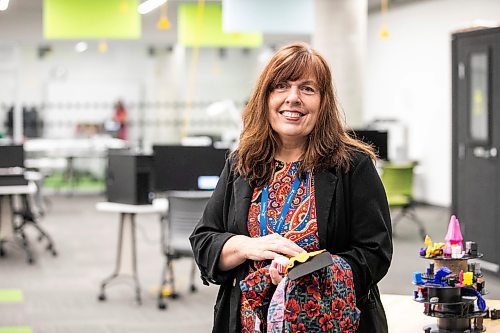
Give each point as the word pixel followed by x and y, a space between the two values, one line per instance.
pixel 237 247
pixel 233 253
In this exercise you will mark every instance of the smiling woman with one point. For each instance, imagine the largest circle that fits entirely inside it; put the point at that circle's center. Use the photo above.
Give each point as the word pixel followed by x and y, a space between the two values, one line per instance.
pixel 295 79
pixel 296 183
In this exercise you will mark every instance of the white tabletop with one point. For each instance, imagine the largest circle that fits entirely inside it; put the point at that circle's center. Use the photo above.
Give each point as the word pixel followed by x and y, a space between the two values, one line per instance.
pixel 190 194
pixel 65 146
pixel 18 189
pixel 406 315
pixel 33 175
pixel 158 206
pixel 46 163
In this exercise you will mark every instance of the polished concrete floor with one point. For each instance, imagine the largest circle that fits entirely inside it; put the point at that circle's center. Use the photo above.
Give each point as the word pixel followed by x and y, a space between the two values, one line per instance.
pixel 60 294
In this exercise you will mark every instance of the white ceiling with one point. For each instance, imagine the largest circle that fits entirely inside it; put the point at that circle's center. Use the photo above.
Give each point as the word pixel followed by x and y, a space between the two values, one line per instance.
pixel 23 23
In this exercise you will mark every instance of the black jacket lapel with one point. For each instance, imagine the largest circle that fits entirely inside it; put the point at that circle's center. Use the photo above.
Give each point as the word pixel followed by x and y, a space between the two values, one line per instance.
pixel 325 183
pixel 241 204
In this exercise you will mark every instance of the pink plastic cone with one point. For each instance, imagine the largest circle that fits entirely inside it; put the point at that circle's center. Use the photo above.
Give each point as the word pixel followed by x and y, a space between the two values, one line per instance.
pixel 454 235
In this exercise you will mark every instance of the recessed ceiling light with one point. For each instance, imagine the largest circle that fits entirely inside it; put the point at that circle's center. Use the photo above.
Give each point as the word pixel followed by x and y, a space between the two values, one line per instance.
pixel 149 5
pixel 81 47
pixel 4 4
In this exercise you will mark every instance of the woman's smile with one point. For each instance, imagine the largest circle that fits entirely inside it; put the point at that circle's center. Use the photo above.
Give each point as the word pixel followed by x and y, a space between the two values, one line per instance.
pixel 292 115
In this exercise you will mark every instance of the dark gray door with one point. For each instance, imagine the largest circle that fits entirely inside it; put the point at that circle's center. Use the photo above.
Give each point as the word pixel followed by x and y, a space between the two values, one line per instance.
pixel 476 138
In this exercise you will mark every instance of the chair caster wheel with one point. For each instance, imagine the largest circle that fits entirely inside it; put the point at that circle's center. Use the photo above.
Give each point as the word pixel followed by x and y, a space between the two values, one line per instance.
pixel 54 253
pixel 193 289
pixel 31 261
pixel 101 297
pixel 162 306
pixel 174 296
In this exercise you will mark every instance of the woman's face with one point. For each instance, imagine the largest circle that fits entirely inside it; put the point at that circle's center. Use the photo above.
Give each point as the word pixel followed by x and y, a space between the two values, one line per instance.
pixel 294 108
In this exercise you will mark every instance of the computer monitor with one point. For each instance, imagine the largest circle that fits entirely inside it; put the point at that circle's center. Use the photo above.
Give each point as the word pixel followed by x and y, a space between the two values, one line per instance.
pixel 12 165
pixel 186 168
pixel 378 139
pixel 11 156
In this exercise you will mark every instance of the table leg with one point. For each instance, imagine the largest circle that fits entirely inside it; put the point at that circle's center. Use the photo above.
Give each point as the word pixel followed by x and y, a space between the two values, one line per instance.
pixel 70 175
pixel 126 228
pixel 165 279
pixel 134 260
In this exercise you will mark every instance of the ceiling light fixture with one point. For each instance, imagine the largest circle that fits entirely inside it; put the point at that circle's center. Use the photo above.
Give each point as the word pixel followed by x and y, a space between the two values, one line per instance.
pixel 81 47
pixel 149 5
pixel 4 4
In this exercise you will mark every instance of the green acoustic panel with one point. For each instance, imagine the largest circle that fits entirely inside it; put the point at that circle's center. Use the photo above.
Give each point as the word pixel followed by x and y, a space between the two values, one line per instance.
pixel 11 296
pixel 206 29
pixel 88 19
pixel 16 329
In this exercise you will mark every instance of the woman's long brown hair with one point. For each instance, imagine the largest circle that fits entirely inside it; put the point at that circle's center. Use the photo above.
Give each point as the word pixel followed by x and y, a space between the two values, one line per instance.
pixel 328 144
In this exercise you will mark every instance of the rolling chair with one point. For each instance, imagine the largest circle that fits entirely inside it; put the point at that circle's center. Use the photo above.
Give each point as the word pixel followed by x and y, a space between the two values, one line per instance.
pixel 398 183
pixel 185 209
pixel 29 216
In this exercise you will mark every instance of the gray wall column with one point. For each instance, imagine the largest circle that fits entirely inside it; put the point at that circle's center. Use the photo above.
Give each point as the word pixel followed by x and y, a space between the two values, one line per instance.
pixel 340 36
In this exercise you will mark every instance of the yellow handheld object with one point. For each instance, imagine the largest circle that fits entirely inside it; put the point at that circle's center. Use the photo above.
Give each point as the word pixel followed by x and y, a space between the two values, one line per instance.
pixel 301 258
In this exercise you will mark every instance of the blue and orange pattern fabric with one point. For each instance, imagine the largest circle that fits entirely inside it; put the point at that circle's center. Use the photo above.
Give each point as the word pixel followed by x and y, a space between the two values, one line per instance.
pixel 300 222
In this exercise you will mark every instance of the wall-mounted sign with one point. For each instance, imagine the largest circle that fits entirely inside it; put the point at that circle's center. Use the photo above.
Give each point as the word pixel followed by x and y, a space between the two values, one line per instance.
pixel 89 19
pixel 201 25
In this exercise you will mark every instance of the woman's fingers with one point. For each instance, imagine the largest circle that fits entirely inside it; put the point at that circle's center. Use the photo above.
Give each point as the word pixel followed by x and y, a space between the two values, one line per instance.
pixel 268 247
pixel 285 246
pixel 276 277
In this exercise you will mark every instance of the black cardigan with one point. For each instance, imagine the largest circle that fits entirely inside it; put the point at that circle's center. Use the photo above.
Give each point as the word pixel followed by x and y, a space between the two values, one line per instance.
pixel 353 222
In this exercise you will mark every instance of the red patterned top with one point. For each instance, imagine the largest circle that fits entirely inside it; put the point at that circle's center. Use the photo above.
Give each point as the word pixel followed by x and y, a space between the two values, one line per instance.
pixel 321 301
pixel 300 223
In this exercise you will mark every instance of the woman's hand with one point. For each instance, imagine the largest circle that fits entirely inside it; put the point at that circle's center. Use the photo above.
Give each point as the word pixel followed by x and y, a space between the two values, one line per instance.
pixel 269 247
pixel 240 248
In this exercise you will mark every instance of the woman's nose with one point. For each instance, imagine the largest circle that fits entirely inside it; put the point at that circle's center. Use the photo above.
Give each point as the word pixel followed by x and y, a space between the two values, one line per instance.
pixel 293 96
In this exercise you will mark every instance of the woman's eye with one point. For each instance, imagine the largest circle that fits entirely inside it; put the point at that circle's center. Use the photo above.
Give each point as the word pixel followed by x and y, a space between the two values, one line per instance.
pixel 280 86
pixel 309 89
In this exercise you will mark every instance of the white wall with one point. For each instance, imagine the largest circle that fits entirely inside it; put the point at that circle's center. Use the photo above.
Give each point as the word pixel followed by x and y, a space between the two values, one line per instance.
pixel 94 81
pixel 408 77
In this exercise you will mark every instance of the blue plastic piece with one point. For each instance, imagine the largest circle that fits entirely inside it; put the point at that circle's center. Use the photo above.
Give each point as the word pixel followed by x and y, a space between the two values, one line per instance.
pixel 417 278
pixel 481 303
pixel 439 276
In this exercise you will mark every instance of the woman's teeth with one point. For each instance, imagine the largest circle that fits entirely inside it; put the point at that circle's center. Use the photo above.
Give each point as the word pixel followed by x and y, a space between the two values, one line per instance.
pixel 291 114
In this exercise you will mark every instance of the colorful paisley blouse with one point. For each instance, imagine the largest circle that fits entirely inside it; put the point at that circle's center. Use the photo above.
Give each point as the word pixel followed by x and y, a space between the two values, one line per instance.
pixel 296 299
pixel 300 223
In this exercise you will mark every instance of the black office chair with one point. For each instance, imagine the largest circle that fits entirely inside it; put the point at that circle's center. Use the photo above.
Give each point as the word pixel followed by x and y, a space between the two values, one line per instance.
pixel 28 216
pixel 185 209
pixel 13 173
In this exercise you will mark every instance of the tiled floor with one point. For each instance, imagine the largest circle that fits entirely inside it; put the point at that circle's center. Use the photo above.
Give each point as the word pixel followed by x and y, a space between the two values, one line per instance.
pixel 60 294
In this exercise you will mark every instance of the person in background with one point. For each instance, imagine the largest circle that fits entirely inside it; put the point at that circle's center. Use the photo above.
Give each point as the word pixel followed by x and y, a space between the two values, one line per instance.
pixel 296 183
pixel 120 117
